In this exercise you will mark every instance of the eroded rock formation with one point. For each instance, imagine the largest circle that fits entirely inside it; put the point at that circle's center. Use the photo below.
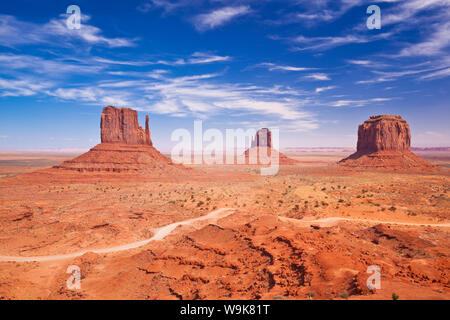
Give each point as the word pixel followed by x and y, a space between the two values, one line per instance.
pixel 122 126
pixel 384 143
pixel 263 138
pixel 262 151
pixel 126 148
pixel 384 132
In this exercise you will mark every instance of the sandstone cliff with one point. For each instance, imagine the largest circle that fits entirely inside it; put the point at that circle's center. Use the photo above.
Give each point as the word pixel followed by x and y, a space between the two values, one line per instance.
pixel 263 138
pixel 261 150
pixel 384 143
pixel 384 132
pixel 122 126
pixel 125 148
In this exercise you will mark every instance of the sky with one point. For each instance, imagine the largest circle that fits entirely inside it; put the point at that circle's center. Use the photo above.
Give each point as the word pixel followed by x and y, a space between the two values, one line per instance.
pixel 313 69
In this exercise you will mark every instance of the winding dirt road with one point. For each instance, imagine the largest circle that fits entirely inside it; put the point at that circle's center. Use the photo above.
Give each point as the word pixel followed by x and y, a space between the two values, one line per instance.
pixel 334 220
pixel 159 234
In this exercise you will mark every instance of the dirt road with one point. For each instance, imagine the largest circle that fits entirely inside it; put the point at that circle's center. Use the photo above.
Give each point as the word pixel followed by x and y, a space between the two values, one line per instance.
pixel 159 234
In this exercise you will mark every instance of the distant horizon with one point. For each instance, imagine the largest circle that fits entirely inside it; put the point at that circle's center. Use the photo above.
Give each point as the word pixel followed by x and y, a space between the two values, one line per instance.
pixel 76 151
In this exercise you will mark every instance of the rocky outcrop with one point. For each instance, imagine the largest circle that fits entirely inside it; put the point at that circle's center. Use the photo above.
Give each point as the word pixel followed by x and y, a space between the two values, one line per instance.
pixel 125 148
pixel 263 138
pixel 262 151
pixel 384 143
pixel 122 126
pixel 384 132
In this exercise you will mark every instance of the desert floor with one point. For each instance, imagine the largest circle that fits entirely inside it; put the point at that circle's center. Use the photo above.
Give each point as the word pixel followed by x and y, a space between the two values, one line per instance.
pixel 309 232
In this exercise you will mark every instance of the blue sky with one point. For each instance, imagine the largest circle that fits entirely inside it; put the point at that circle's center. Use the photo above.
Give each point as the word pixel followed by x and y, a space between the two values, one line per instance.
pixel 311 68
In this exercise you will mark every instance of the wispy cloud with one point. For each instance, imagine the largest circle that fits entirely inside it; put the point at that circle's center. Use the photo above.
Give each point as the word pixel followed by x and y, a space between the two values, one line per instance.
pixel 322 89
pixel 312 13
pixel 55 33
pixel 272 67
pixel 166 5
pixel 360 62
pixel 195 58
pixel 437 74
pixel 326 43
pixel 45 66
pixel 20 88
pixel 406 11
pixel 219 17
pixel 195 95
pixel 357 103
pixel 437 43
pixel 201 58
pixel 318 77
pixel 393 75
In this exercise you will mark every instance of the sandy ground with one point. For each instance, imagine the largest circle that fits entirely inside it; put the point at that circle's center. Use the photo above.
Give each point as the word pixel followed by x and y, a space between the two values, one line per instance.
pixel 309 232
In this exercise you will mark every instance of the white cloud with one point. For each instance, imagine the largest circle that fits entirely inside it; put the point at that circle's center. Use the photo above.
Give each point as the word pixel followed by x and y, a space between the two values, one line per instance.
pixel 386 76
pixel 271 67
pixel 219 17
pixel 360 62
pixel 55 33
pixel 406 11
pixel 437 43
pixel 437 74
pixel 357 103
pixel 318 77
pixel 23 87
pixel 433 133
pixel 193 59
pixel 194 95
pixel 322 89
pixel 201 58
pixel 326 43
pixel 312 13
pixel 166 5
pixel 45 66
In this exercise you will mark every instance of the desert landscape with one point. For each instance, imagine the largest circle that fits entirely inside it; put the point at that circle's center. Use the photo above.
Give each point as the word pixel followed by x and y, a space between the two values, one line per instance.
pixel 225 159
pixel 141 227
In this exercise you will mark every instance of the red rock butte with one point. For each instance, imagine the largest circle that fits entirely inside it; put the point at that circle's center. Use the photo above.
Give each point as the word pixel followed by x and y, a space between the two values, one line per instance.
pixel 122 126
pixel 261 149
pixel 384 143
pixel 263 138
pixel 125 148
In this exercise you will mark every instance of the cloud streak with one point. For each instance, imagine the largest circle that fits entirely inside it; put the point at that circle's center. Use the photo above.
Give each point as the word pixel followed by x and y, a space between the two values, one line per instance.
pixel 219 17
pixel 54 33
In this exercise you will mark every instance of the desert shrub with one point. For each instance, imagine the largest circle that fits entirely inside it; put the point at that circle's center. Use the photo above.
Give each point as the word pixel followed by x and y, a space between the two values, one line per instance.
pixel 344 294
